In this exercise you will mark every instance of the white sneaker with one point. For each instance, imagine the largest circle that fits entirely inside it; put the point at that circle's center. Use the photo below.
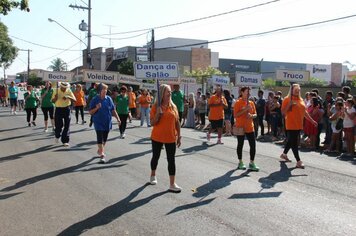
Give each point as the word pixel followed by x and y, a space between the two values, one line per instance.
pixel 66 144
pixel 123 135
pixel 153 180
pixel 56 140
pixel 102 160
pixel 15 113
pixel 175 188
pixel 45 130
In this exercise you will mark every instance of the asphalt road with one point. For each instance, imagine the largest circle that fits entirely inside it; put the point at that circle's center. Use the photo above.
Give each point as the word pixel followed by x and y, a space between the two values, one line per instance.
pixel 47 189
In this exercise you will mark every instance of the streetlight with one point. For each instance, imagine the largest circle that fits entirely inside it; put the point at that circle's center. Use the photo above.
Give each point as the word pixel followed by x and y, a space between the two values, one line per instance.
pixel 51 20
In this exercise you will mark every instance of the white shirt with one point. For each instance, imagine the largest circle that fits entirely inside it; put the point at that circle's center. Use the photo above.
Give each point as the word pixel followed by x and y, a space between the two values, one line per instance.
pixel 348 123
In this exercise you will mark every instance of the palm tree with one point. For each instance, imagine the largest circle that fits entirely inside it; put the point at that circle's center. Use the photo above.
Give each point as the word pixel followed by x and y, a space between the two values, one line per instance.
pixel 58 65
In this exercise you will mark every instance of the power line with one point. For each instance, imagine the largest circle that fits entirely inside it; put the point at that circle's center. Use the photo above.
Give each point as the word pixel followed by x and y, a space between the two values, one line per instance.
pixel 130 37
pixel 65 50
pixel 197 19
pixel 263 33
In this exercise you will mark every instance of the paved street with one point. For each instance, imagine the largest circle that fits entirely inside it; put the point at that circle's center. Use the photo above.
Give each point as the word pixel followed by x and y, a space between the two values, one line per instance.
pixel 47 189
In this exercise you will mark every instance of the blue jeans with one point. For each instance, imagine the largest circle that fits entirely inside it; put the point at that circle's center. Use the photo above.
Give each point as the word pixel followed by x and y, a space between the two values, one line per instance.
pixel 145 113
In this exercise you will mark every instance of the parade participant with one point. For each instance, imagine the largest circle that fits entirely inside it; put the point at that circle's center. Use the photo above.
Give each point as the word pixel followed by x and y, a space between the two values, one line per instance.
pixel 261 110
pixel 122 109
pixel 191 112
pixel 132 103
pixel 178 100
pixel 244 113
pixel 166 131
pixel 217 103
pixel 293 108
pixel 13 92
pixel 79 103
pixel 145 101
pixel 102 109
pixel 47 105
pixel 31 105
pixel 62 97
pixel 93 91
pixel 228 113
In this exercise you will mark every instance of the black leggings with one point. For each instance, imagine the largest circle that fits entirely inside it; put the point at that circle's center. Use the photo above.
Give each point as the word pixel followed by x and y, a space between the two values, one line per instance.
pixel 292 142
pixel 101 136
pixel 251 142
pixel 123 123
pixel 202 118
pixel 170 150
pixel 34 113
pixel 77 109
pixel 46 111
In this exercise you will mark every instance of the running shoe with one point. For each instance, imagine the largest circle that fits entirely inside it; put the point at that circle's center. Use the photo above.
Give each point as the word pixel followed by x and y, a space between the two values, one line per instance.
pixel 175 188
pixel 219 142
pixel 45 130
pixel 153 180
pixel 252 166
pixel 241 166
pixel 102 160
pixel 66 144
pixel 34 123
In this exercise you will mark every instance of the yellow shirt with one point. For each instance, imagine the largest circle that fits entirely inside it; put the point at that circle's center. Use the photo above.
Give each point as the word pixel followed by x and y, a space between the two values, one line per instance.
pixel 63 102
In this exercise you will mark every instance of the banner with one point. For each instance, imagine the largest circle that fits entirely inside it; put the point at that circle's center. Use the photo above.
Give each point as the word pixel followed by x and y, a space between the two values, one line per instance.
pixel 220 80
pixel 148 86
pixel 20 93
pixel 169 81
pixel 248 79
pixel 154 70
pixel 61 76
pixel 292 75
pixel 106 77
pixel 188 80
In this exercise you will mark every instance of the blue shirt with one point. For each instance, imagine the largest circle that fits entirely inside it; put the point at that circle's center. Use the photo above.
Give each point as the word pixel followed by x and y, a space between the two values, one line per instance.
pixel 103 117
pixel 13 92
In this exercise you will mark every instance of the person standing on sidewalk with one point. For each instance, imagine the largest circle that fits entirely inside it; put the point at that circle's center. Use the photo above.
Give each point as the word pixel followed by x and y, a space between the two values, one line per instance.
pixel 62 97
pixel 31 105
pixel 47 105
pixel 145 101
pixel 178 100
pixel 217 103
pixel 293 108
pixel 166 131
pixel 13 93
pixel 79 103
pixel 244 113
pixel 102 109
pixel 122 109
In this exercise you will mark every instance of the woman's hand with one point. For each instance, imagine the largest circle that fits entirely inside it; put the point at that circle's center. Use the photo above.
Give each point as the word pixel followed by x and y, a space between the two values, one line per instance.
pixel 179 141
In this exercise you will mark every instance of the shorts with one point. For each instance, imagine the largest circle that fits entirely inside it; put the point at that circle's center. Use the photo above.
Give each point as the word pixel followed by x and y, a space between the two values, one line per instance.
pixel 227 116
pixel 215 124
pixel 13 102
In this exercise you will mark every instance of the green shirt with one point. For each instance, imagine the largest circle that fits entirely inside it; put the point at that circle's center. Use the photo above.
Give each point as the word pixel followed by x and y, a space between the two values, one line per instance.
pixel 92 93
pixel 122 105
pixel 31 101
pixel 178 100
pixel 47 99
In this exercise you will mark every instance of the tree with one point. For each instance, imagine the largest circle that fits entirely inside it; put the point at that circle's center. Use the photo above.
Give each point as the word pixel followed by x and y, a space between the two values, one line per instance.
pixel 126 67
pixel 7 5
pixel 8 51
pixel 315 82
pixel 34 80
pixel 269 83
pixel 202 75
pixel 58 65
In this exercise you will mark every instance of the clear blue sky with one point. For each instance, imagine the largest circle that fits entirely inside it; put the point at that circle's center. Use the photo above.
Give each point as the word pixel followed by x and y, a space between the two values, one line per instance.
pixel 322 44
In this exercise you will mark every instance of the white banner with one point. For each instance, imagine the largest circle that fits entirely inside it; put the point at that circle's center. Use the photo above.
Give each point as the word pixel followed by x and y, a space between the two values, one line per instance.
pixel 188 80
pixel 221 80
pixel 292 75
pixel 169 81
pixel 95 76
pixel 128 79
pixel 148 86
pixel 21 91
pixel 248 79
pixel 61 76
pixel 153 70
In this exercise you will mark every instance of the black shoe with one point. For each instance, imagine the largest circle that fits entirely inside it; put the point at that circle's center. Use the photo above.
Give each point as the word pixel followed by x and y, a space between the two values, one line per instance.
pixel 90 124
pixel 29 124
pixel 34 123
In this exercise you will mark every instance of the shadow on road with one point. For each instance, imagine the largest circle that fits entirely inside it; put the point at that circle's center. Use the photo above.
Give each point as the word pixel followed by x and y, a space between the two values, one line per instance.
pixel 198 148
pixel 20 155
pixel 5 196
pixel 111 213
pixel 255 195
pixel 218 183
pixel 279 176
pixel 143 141
pixel 351 159
pixel 12 129
pixel 129 156
pixel 199 203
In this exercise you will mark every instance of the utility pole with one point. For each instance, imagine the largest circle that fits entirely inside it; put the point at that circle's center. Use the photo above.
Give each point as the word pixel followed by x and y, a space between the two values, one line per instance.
pixel 88 8
pixel 152 57
pixel 110 26
pixel 28 63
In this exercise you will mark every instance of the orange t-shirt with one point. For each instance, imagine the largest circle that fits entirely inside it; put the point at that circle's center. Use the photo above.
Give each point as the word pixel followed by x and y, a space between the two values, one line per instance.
pixel 145 101
pixel 79 96
pixel 132 99
pixel 165 130
pixel 216 112
pixel 242 120
pixel 294 118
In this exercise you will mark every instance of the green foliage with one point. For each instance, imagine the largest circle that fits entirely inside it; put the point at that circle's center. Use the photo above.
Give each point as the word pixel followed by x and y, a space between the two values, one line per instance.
pixel 269 83
pixel 353 82
pixel 126 67
pixel 58 65
pixel 315 82
pixel 7 5
pixel 202 75
pixel 8 51
pixel 34 80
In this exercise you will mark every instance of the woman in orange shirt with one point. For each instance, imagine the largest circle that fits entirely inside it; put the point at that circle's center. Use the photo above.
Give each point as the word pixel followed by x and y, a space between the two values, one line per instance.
pixel 293 109
pixel 166 130
pixel 244 113
pixel 80 103
pixel 145 102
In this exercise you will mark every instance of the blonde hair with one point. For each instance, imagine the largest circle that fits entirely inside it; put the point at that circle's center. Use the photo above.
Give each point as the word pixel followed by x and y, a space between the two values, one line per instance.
pixel 162 90
pixel 191 96
pixel 290 93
